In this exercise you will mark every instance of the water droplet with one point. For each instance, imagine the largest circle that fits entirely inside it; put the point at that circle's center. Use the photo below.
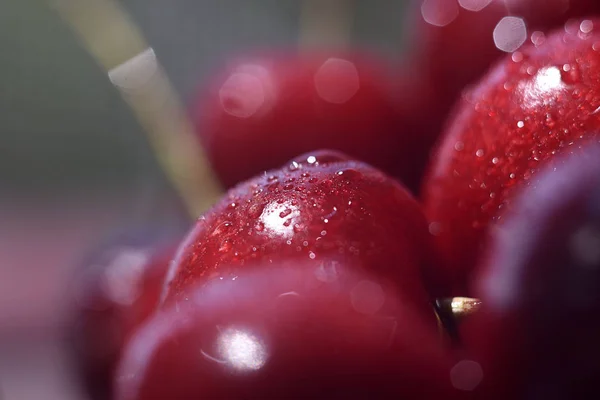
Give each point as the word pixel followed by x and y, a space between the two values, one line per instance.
pixel 259 227
pixel 298 228
pixel 311 159
pixel 367 297
pixel 225 246
pixel 222 228
pixel 510 33
pixel 495 160
pixel 586 26
pixel 439 12
pixel 480 153
pixel 337 81
pixel 435 228
pixel 323 232
pixel 311 255
pixel 294 166
pixel 459 146
pixel 285 213
pixel 289 186
pixel 538 38
pixel 466 375
pixel 520 124
pixel 287 222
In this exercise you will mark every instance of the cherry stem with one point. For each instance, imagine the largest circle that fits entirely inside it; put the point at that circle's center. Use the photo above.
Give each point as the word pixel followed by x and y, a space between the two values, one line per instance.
pixel 118 46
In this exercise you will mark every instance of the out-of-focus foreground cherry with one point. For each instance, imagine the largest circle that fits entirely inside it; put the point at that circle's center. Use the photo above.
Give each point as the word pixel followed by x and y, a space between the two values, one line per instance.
pixel 288 333
pixel 322 208
pixel 536 335
pixel 267 109
pixel 541 101
pixel 116 290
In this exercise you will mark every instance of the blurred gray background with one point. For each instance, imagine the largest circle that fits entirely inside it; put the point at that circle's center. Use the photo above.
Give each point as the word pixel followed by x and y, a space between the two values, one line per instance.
pixel 75 165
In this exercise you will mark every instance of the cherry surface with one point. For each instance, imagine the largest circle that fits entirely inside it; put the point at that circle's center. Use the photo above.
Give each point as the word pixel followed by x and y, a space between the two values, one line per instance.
pixel 452 43
pixel 535 104
pixel 288 333
pixel 268 108
pixel 321 206
pixel 116 290
pixel 536 335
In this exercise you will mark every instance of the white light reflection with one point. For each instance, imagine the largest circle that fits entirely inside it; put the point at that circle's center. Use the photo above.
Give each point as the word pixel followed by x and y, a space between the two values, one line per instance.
pixel 543 89
pixel 136 72
pixel 510 33
pixel 121 280
pixel 242 350
pixel 277 218
pixel 439 12
pixel 474 5
pixel 337 81
pixel 246 91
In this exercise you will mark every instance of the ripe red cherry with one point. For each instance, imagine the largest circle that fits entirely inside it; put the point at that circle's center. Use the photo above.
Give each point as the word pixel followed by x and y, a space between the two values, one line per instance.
pixel 267 109
pixel 287 333
pixel 321 206
pixel 540 102
pixel 541 14
pixel 454 42
pixel 452 45
pixel 114 294
pixel 536 335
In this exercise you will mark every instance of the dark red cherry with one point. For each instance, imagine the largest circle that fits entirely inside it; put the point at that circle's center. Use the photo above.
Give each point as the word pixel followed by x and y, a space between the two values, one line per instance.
pixel 540 14
pixel 299 332
pixel 541 101
pixel 117 289
pixel 536 334
pixel 452 44
pixel 319 206
pixel 266 109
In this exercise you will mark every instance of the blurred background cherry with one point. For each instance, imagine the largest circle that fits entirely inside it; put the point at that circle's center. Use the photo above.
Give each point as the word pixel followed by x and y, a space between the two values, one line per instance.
pixel 535 335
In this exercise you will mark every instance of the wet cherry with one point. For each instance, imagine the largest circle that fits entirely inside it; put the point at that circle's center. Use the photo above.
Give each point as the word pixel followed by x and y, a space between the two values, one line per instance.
pixel 319 207
pixel 536 335
pixel 267 109
pixel 117 289
pixel 537 103
pixel 288 333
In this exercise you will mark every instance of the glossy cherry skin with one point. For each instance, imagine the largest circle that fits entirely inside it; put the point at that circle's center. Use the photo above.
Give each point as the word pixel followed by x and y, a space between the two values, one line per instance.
pixel 320 206
pixel 119 287
pixel 287 333
pixel 453 43
pixel 538 103
pixel 536 335
pixel 268 108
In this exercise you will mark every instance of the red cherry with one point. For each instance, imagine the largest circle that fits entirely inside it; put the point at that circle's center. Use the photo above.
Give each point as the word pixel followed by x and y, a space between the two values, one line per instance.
pixel 453 45
pixel 540 14
pixel 540 102
pixel 267 109
pixel 114 295
pixel 454 42
pixel 287 333
pixel 321 206
pixel 536 335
